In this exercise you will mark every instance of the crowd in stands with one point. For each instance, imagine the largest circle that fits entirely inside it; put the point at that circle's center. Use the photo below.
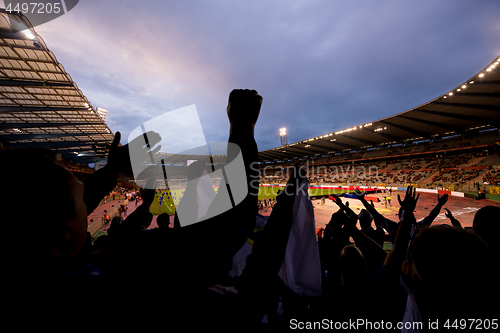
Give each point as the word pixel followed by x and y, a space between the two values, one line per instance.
pixel 456 176
pixel 459 171
pixel 77 167
pixel 492 178
pixel 178 278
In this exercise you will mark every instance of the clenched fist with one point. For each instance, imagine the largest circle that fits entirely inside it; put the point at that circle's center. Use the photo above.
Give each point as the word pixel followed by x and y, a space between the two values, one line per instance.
pixel 243 109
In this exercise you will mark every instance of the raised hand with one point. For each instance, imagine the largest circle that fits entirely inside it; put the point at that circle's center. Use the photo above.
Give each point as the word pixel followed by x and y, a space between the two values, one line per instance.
pixel 448 214
pixel 243 109
pixel 453 220
pixel 337 200
pixel 443 199
pixel 410 201
pixel 343 207
pixel 119 156
pixel 360 194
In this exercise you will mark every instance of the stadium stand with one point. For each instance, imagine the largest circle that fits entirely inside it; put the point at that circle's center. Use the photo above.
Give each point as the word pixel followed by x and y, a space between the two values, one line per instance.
pixel 455 164
pixel 41 106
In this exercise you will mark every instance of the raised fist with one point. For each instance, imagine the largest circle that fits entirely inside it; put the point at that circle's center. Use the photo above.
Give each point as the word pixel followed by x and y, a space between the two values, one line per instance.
pixel 243 108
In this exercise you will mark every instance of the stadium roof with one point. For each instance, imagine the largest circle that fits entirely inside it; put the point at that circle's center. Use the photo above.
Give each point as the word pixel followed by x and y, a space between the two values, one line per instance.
pixel 472 106
pixel 40 105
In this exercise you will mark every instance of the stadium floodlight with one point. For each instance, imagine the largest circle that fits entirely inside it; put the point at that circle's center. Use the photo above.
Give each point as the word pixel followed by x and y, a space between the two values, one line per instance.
pixel 29 35
pixel 283 137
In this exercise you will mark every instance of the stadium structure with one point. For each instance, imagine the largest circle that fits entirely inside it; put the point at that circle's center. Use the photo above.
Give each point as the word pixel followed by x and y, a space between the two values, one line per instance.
pixel 450 141
pixel 40 104
pixel 470 108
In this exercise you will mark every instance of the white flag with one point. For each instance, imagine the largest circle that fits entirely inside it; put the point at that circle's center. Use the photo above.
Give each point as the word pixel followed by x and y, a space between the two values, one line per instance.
pixel 301 270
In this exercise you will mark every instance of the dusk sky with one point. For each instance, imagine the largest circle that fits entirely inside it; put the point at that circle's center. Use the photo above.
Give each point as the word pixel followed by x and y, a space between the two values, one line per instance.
pixel 320 66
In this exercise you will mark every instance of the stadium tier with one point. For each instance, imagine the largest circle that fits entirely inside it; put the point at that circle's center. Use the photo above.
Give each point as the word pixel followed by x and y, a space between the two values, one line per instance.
pixel 40 104
pixel 450 141
pixel 460 162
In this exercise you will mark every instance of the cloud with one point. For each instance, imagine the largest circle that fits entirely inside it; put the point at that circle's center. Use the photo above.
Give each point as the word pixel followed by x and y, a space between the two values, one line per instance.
pixel 320 65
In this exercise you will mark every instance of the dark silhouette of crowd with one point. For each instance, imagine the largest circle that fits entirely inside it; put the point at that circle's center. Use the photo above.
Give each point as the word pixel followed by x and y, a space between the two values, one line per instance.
pixel 177 278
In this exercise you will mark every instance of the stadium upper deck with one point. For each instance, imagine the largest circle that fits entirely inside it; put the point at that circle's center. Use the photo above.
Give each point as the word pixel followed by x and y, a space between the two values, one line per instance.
pixel 40 105
pixel 471 107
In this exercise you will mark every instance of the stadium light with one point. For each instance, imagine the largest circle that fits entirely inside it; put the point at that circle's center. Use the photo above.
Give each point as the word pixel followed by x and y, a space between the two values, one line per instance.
pixel 29 35
pixel 283 137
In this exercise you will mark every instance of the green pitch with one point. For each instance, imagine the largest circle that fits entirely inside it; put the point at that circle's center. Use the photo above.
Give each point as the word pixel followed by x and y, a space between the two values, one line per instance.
pixel 270 192
pixel 170 199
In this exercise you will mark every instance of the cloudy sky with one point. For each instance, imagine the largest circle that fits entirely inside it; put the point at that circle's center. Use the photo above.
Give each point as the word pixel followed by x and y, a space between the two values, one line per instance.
pixel 320 65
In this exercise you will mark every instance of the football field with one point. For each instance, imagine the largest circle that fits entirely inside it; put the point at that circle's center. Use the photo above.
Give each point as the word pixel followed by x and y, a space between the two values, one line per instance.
pixel 270 192
pixel 166 200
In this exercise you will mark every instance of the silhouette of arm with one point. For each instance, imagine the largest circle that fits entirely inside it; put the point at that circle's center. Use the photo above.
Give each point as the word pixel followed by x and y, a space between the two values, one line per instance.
pixel 373 252
pixel 377 217
pixel 102 181
pixel 453 220
pixel 435 211
pixel 397 255
pixel 134 222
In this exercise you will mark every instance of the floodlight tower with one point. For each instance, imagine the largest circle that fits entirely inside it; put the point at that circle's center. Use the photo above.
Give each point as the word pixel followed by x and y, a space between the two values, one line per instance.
pixel 283 138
